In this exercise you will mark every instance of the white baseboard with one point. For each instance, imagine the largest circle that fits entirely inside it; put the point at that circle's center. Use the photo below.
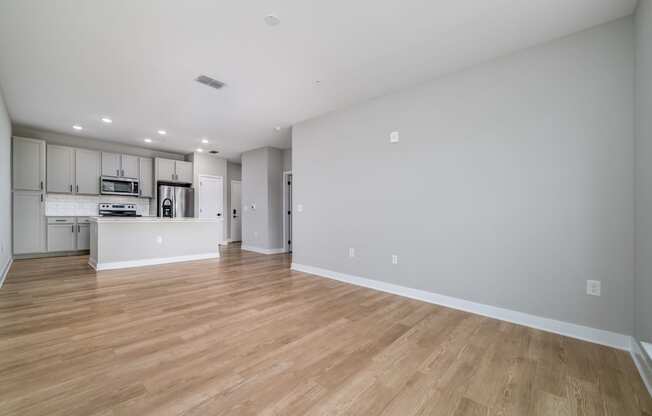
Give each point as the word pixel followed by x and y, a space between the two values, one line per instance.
pixel 643 364
pixel 263 250
pixel 5 271
pixel 598 336
pixel 149 262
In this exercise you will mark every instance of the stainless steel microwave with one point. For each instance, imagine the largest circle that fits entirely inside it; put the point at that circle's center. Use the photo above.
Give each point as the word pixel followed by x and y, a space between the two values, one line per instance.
pixel 110 185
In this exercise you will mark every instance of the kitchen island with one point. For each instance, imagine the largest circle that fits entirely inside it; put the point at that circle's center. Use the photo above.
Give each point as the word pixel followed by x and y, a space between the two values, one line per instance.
pixel 117 243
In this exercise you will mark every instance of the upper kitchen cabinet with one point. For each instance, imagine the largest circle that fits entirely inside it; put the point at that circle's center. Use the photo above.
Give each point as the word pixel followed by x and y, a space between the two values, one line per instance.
pixel 28 164
pixel 60 168
pixel 111 164
pixel 183 171
pixel 174 170
pixel 165 169
pixel 87 172
pixel 146 178
pixel 129 166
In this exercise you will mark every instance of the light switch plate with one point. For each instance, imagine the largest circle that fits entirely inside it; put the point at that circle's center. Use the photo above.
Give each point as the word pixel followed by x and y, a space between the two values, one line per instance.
pixel 299 207
pixel 593 288
pixel 394 259
pixel 394 137
pixel 351 252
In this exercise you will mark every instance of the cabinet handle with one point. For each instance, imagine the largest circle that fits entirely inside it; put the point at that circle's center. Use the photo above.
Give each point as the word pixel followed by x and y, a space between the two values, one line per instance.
pixel 77 188
pixel 41 197
pixel 73 228
pixel 41 185
pixel 78 228
pixel 117 172
pixel 70 188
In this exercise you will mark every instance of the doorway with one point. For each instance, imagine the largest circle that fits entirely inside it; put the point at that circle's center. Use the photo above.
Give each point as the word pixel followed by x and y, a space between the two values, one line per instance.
pixel 287 211
pixel 236 209
pixel 211 198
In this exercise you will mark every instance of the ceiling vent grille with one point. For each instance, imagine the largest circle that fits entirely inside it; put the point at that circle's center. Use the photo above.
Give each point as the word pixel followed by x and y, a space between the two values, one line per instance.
pixel 213 83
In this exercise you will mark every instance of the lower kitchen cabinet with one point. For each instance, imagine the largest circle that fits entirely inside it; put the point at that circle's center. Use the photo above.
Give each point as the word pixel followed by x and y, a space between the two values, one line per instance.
pixel 29 222
pixel 61 237
pixel 83 236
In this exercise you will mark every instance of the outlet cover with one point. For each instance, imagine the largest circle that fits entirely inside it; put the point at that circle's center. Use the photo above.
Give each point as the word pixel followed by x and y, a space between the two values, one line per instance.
pixel 394 259
pixel 393 137
pixel 351 252
pixel 593 288
pixel 299 207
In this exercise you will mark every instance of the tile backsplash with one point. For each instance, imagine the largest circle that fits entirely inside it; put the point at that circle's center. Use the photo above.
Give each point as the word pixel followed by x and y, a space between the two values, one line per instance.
pixel 87 205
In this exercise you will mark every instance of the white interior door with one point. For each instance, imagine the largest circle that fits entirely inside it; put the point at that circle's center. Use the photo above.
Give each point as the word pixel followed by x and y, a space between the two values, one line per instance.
pixel 236 209
pixel 211 197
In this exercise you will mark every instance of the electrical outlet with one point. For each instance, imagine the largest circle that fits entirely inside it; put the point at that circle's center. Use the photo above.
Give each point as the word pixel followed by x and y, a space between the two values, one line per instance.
pixel 299 207
pixel 351 252
pixel 393 137
pixel 159 240
pixel 394 259
pixel 593 287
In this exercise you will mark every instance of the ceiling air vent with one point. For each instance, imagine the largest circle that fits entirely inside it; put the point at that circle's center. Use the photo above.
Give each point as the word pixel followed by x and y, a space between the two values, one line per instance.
pixel 213 83
pixel 213 152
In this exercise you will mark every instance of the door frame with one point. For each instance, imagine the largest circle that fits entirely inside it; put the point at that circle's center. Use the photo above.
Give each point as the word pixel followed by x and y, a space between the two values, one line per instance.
pixel 286 247
pixel 231 209
pixel 222 238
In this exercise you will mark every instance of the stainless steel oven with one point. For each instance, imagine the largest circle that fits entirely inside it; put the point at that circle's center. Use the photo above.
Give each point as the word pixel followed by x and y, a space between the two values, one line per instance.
pixel 110 185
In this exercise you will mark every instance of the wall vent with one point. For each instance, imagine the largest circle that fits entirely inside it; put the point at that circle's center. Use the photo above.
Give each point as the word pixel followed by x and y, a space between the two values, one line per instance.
pixel 213 83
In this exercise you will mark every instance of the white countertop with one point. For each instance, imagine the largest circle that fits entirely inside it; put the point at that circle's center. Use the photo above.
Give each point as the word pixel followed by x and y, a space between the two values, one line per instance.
pixel 104 220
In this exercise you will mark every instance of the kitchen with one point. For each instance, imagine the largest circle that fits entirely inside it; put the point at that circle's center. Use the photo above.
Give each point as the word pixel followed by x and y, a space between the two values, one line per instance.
pixel 80 197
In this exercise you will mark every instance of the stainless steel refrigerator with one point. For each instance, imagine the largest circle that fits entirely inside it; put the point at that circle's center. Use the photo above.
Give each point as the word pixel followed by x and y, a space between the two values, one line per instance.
pixel 175 201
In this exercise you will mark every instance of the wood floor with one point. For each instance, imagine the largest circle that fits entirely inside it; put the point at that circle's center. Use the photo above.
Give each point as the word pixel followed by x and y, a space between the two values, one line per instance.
pixel 244 335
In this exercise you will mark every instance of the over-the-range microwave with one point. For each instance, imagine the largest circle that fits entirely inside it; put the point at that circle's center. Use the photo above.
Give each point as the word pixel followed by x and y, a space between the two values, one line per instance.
pixel 111 185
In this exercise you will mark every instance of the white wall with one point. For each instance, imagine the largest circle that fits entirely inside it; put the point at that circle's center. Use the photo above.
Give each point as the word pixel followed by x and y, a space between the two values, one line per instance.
pixel 644 171
pixel 512 183
pixel 5 189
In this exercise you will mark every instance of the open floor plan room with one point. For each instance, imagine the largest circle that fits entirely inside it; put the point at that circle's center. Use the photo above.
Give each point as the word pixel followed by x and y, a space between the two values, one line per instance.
pixel 326 208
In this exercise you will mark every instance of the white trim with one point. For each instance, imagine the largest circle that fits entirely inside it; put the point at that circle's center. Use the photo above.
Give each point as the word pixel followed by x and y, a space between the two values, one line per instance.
pixel 5 271
pixel 598 336
pixel 643 364
pixel 150 262
pixel 263 250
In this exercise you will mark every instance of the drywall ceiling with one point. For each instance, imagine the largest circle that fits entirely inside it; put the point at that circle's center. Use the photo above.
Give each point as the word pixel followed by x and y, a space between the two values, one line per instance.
pixel 71 62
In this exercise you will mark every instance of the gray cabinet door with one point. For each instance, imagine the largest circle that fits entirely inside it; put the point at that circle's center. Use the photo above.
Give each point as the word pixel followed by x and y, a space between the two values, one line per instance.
pixel 183 171
pixel 60 169
pixel 110 164
pixel 146 178
pixel 83 236
pixel 28 164
pixel 165 170
pixel 87 172
pixel 129 166
pixel 61 237
pixel 29 222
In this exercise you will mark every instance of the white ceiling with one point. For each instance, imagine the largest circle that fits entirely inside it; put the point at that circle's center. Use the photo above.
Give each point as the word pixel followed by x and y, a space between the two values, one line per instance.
pixel 73 61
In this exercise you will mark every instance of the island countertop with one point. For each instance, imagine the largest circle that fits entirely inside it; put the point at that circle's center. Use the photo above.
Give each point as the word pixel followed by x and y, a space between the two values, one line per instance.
pixel 104 220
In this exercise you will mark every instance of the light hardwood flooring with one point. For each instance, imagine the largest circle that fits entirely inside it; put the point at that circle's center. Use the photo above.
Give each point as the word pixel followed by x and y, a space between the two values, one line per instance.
pixel 244 335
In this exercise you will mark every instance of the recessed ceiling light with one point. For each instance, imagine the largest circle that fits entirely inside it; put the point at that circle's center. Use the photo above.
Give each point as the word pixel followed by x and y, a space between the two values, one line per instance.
pixel 148 140
pixel 200 150
pixel 77 127
pixel 272 20
pixel 107 120
pixel 277 128
pixel 162 132
pixel 205 141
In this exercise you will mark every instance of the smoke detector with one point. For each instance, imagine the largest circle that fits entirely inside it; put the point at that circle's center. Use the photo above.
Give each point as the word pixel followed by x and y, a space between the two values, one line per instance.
pixel 213 83
pixel 272 20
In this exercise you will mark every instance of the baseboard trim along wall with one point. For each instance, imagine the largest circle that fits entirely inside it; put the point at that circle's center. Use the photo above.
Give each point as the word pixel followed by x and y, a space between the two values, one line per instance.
pixel 264 250
pixel 149 262
pixel 642 363
pixel 585 333
pixel 5 271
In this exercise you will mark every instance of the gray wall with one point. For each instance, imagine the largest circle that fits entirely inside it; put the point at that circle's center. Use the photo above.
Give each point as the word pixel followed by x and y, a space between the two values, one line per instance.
pixel 511 184
pixel 233 173
pixel 287 160
pixel 262 176
pixel 5 186
pixel 644 171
